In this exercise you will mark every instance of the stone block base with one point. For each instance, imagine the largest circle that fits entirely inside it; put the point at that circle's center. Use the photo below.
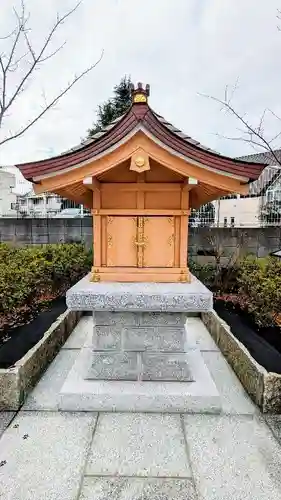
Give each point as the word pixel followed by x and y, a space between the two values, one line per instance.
pixel 149 338
pixel 201 395
pixel 140 358
pixel 139 346
pixel 125 365
pixel 166 367
pixel 148 297
pixel 139 318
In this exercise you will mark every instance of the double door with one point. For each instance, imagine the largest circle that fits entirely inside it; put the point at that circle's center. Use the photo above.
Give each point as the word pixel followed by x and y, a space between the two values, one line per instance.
pixel 140 241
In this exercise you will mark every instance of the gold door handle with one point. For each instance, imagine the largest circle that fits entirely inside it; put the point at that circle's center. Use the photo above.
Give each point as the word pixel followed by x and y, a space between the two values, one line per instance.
pixel 139 243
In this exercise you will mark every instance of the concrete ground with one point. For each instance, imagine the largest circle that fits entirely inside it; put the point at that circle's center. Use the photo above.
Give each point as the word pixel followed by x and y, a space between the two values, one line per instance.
pixel 49 455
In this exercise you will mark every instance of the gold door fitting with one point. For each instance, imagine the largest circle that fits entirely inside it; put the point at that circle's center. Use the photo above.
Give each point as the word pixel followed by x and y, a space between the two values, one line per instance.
pixel 140 243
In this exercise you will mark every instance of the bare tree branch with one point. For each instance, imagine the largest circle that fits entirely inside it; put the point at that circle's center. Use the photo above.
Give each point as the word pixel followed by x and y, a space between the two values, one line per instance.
pixel 49 105
pixel 7 37
pixel 38 59
pixel 10 62
pixel 253 135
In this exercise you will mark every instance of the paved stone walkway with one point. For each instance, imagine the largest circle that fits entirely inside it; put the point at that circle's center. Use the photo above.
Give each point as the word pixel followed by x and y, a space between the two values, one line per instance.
pixel 49 455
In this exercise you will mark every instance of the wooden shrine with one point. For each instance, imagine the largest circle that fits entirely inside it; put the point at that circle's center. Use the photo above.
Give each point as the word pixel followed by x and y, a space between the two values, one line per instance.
pixel 141 176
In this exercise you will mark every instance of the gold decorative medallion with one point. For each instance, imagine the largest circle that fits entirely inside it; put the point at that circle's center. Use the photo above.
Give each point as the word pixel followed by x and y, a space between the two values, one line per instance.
pixel 140 161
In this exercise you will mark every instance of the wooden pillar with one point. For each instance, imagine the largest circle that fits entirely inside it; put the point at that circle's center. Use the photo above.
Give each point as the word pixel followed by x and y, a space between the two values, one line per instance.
pixel 184 233
pixel 96 230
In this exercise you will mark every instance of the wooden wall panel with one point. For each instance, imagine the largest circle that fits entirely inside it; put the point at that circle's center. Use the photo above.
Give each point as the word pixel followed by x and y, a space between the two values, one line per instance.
pixel 118 199
pixel 170 200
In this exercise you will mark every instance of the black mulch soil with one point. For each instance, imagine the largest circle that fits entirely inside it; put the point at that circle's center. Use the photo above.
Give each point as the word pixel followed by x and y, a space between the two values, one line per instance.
pixel 264 344
pixel 22 339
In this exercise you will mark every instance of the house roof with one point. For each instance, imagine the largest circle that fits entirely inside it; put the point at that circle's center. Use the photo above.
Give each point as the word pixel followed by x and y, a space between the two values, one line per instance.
pixel 141 116
pixel 269 175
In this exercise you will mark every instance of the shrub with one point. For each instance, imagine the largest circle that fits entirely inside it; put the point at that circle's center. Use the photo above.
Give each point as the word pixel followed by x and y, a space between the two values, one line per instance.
pixel 222 280
pixel 260 284
pixel 204 272
pixel 31 276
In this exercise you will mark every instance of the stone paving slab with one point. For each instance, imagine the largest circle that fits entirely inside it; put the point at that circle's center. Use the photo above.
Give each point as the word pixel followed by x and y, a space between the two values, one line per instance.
pixel 198 336
pixel 5 419
pixel 137 489
pixel 234 398
pixel 45 396
pixel 138 445
pixel 43 455
pixel 233 457
pixel 78 337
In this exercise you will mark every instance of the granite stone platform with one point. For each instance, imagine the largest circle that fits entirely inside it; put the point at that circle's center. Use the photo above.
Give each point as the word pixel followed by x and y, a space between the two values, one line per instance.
pixel 140 357
pixel 48 454
pixel 174 297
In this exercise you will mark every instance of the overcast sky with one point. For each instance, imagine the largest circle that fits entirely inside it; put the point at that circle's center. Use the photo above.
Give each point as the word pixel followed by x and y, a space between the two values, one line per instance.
pixel 180 47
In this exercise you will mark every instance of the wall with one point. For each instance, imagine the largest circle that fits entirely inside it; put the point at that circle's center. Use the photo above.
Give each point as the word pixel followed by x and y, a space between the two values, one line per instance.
pixel 7 197
pixel 245 211
pixel 229 241
pixel 36 231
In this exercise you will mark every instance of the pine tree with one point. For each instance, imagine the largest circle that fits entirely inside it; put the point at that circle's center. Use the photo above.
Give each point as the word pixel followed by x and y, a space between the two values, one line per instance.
pixel 114 107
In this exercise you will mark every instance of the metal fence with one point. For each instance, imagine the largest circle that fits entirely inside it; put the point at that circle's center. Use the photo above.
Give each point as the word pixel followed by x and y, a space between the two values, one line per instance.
pixel 232 211
pixel 48 206
pixel 239 211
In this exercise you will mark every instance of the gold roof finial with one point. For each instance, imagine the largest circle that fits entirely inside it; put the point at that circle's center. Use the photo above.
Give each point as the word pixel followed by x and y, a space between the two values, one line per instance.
pixel 140 93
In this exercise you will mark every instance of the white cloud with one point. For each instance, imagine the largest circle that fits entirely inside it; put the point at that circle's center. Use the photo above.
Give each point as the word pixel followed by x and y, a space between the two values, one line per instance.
pixel 181 48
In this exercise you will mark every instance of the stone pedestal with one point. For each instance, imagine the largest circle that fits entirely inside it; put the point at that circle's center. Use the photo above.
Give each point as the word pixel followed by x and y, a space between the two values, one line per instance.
pixel 139 357
pixel 139 346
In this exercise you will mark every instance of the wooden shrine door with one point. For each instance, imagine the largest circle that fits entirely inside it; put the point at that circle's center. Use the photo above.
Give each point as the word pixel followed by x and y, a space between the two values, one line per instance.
pixel 143 242
pixel 140 229
pixel 159 242
pixel 121 238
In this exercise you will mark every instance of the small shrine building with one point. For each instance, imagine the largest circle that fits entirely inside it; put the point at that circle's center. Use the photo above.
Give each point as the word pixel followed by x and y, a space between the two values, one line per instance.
pixel 141 176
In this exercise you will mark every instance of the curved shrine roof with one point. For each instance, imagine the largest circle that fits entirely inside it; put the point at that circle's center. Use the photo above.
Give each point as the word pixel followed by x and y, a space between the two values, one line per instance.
pixel 140 115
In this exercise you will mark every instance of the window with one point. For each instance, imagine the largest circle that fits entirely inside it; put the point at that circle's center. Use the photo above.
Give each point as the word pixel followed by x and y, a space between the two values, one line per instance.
pixel 277 195
pixel 269 195
pixel 225 222
pixel 232 221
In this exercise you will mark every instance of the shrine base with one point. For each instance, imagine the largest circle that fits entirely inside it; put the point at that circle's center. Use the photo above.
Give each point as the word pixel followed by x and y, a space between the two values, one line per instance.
pixel 141 356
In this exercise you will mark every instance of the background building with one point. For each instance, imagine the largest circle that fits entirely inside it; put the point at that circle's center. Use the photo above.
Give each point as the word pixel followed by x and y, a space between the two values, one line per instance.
pixel 261 207
pixel 7 196
pixel 17 198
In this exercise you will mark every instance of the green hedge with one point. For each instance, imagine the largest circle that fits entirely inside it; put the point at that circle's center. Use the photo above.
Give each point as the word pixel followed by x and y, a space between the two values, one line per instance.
pixel 31 276
pixel 257 281
pixel 260 285
pixel 219 279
